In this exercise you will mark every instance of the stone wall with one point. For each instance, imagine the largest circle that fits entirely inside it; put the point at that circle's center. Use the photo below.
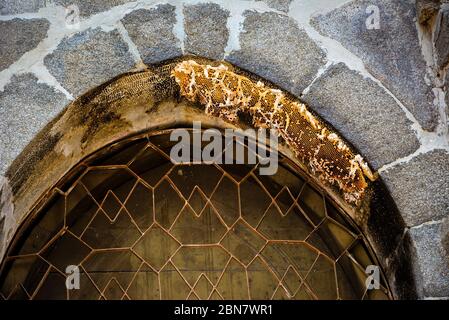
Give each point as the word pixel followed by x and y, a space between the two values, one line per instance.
pixel 374 69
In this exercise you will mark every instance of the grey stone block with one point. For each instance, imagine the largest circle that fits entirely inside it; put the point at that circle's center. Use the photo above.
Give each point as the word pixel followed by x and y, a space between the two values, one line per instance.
pixel 86 8
pixel 91 7
pixel 447 98
pixel 432 259
pixel 206 31
pixel 10 7
pixel 281 5
pixel 19 36
pixel 441 36
pixel 420 187
pixel 88 59
pixel 275 48
pixel 152 32
pixel 392 53
pixel 445 235
pixel 363 113
pixel 26 106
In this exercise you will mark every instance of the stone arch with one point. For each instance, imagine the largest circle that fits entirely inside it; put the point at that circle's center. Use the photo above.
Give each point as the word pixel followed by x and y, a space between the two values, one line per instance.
pixel 175 93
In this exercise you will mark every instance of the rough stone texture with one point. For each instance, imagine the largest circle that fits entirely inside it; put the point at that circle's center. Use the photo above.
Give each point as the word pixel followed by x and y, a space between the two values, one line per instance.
pixel 432 259
pixel 26 106
pixel 420 187
pixel 445 235
pixel 91 7
pixel 152 32
pixel 392 53
pixel 447 96
pixel 86 8
pixel 18 36
pixel 364 113
pixel 441 36
pixel 88 59
pixel 9 7
pixel 274 47
pixel 206 31
pixel 281 5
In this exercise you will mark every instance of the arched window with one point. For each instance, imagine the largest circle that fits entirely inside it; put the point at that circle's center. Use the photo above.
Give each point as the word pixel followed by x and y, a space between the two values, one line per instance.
pixel 137 226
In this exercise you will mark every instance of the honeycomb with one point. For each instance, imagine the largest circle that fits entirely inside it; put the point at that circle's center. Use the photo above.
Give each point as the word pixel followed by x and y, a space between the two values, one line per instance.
pixel 226 94
pixel 231 94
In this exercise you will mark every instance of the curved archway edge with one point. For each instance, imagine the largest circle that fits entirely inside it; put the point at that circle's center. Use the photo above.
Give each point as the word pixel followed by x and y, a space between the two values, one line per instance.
pixel 90 122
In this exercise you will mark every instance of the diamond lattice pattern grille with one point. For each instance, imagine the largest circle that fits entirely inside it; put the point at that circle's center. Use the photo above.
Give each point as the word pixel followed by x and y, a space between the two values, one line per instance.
pixel 140 227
